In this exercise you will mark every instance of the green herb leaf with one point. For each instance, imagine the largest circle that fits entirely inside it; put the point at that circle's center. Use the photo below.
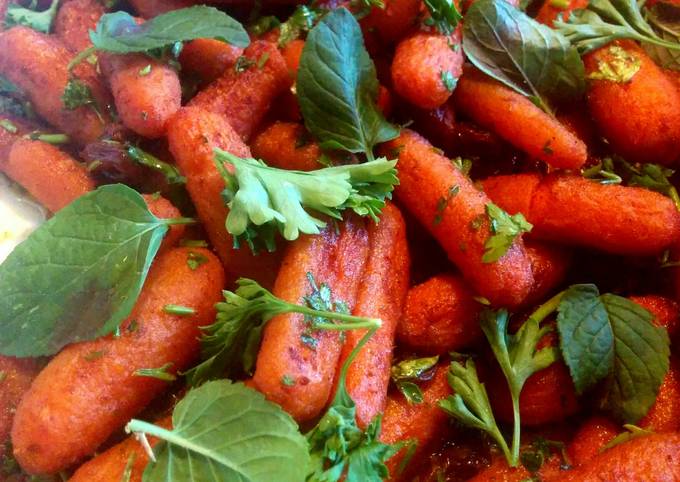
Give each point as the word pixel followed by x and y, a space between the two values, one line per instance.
pixel 160 373
pixel 29 17
pixel 621 66
pixel 302 20
pixel 195 260
pixel 263 200
pixel 407 371
pixel 79 274
pixel 529 57
pixel 118 32
pixel 77 94
pixel 586 337
pixel 632 431
pixel 504 229
pixel 444 16
pixel 604 21
pixel 664 17
pixel 641 359
pixel 337 87
pixel 226 431
pixel 449 80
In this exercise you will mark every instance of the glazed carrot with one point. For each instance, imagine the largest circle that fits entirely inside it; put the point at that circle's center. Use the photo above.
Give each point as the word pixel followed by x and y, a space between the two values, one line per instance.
pixel 52 177
pixel 392 22
pixel 573 210
pixel 291 54
pixel 517 120
pixel 664 416
pixel 152 8
pixel 548 395
pixel 654 458
pixel 287 145
pixel 381 295
pixel 3 12
pixel 17 375
pixel 208 59
pixel 550 10
pixel 549 263
pixel 458 221
pixel 338 260
pixel 384 101
pixel 421 64
pixel 147 92
pixel 588 441
pixel 500 471
pixel 641 117
pixel 245 97
pixel 423 423
pixel 440 315
pixel 110 465
pixel 162 208
pixel 90 389
pixel 192 135
pixel 44 77
pixel 74 20
pixel 666 311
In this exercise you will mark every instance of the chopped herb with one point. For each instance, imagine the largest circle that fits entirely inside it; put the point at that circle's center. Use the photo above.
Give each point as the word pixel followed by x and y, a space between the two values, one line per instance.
pixel 3 376
pixel 170 172
pixel 541 449
pixel 193 243
pixel 8 126
pixel 547 149
pixel 54 139
pixel 444 16
pixel 504 230
pixel 179 310
pixel 133 326
pixel 482 301
pixel 262 61
pixel 406 372
pixel 195 260
pixel 160 373
pixel 129 466
pixel 443 202
pixel 263 25
pixel 288 381
pixel 243 63
pixel 561 4
pixel 145 71
pixel 448 80
pixel 78 94
pixel 95 355
pixel 620 67
pixel 301 21
pixel 463 165
pixel 477 222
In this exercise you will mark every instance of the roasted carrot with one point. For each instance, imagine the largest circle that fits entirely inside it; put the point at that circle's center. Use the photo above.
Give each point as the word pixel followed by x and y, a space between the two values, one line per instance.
pixel 440 315
pixel 244 97
pixel 425 68
pixel 517 120
pixel 549 263
pixel 450 207
pixel 666 311
pixel 500 471
pixel 337 260
pixel 654 458
pixel 588 441
pixel 74 21
pixel 192 135
pixel 424 423
pixel 381 295
pixel 664 415
pixel 287 145
pixel 3 12
pixel 111 465
pixel 291 54
pixel 393 21
pixel 147 92
pixel 152 8
pixel 52 177
pixel 44 77
pixel 208 59
pixel 641 116
pixel 573 210
pixel 162 208
pixel 17 375
pixel 90 388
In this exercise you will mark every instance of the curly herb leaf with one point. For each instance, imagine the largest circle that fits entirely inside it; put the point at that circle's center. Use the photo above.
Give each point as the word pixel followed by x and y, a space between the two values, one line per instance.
pixel 504 229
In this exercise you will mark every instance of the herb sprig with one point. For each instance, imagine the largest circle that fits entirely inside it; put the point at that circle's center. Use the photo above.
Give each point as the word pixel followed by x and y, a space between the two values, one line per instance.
pixel 30 17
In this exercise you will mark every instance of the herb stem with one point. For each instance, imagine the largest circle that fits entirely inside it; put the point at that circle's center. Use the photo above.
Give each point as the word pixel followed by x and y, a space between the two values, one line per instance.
pixel 49 138
pixel 174 221
pixel 547 308
pixel 139 426
pixel 352 322
pixel 80 56
pixel 516 431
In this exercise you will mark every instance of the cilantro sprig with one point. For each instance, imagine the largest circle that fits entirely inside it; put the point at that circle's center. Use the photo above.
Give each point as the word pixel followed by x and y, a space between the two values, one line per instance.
pixel 504 229
pixel 263 200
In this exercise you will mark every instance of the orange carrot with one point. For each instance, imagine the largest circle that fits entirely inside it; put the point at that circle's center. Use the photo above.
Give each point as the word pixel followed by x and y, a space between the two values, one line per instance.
pixel 500 471
pixel 208 59
pixel 394 20
pixel 74 20
pixel 588 441
pixel 152 8
pixel 91 389
pixel 641 117
pixel 550 10
pixel 381 295
pixel 517 120
pixel 664 415
pixel 245 97
pixel 291 54
pixel 453 210
pixel 335 259
pixel 162 208
pixel 287 145
pixel 549 263
pixel 440 315
pixel 666 311
pixel 192 135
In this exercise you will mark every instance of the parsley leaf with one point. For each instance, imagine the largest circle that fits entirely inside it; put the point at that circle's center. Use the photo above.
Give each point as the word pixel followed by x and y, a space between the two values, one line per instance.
pixel 118 32
pixel 504 229
pixel 231 343
pixel 207 442
pixel 302 20
pixel 29 17
pixel 337 87
pixel 77 94
pixel 263 200
pixel 410 370
pixel 529 57
pixel 444 16
pixel 79 274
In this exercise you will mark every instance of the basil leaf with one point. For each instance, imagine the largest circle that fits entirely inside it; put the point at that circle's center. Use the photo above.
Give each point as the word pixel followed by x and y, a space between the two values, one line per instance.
pixel 523 54
pixel 79 274
pixel 641 359
pixel 665 19
pixel 337 87
pixel 586 337
pixel 225 431
pixel 118 32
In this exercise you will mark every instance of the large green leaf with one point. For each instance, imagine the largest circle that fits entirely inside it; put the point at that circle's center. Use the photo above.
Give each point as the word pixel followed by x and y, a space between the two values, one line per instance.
pixel 79 274
pixel 225 432
pixel 337 87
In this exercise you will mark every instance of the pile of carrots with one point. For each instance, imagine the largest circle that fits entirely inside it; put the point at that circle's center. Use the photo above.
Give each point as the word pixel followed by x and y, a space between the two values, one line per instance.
pixel 419 269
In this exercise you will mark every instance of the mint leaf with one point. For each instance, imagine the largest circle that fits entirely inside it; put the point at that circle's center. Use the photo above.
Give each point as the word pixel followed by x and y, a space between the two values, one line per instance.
pixel 586 336
pixel 664 17
pixel 79 274
pixel 225 431
pixel 118 32
pixel 30 17
pixel 337 87
pixel 641 359
pixel 528 57
pixel 504 230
